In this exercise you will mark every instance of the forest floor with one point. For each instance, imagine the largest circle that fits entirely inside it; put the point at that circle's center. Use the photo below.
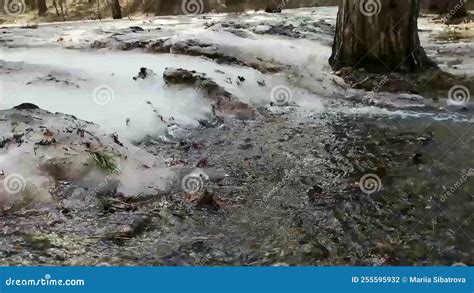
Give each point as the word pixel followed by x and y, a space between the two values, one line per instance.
pixel 284 188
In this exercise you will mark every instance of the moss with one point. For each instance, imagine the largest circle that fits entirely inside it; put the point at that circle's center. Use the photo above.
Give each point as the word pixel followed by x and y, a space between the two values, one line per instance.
pixel 37 241
pixel 105 160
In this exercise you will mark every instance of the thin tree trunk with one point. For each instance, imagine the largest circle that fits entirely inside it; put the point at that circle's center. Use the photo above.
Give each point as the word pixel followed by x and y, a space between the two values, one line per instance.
pixel 99 14
pixel 116 10
pixel 379 35
pixel 56 7
pixel 42 8
pixel 62 9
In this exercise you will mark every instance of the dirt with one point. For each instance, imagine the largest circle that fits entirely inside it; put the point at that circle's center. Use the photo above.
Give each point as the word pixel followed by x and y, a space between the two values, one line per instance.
pixel 225 104
pixel 307 29
pixel 191 47
pixel 434 83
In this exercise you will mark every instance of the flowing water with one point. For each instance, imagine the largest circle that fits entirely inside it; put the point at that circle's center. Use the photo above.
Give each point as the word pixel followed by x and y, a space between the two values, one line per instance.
pixel 287 189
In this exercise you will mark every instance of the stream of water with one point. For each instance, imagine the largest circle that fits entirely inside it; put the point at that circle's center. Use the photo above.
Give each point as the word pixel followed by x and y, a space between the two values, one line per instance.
pixel 419 151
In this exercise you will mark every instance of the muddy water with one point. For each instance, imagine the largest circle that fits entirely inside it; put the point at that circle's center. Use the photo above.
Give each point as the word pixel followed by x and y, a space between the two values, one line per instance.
pixel 284 191
pixel 418 161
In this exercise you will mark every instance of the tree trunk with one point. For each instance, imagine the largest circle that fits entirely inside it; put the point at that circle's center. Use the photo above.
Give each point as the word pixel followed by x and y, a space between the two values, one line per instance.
pixel 42 8
pixel 56 7
pixel 62 9
pixel 152 6
pixel 165 8
pixel 116 10
pixel 31 4
pixel 274 6
pixel 148 6
pixel 99 11
pixel 379 35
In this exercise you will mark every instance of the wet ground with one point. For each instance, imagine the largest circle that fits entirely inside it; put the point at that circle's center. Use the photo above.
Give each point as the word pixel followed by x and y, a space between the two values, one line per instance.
pixel 276 192
pixel 352 184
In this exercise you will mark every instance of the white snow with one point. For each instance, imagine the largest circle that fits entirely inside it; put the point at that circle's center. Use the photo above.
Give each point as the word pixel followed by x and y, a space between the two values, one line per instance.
pixel 36 165
pixel 111 73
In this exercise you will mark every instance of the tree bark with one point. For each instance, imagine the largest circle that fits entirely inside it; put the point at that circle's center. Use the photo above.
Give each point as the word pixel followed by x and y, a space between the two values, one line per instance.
pixel 116 10
pixel 42 8
pixel 165 8
pixel 62 9
pixel 31 4
pixel 379 35
pixel 99 11
pixel 274 6
pixel 149 6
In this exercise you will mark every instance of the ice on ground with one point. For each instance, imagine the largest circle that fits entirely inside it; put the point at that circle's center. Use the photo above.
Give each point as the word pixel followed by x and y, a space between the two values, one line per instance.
pixel 100 87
